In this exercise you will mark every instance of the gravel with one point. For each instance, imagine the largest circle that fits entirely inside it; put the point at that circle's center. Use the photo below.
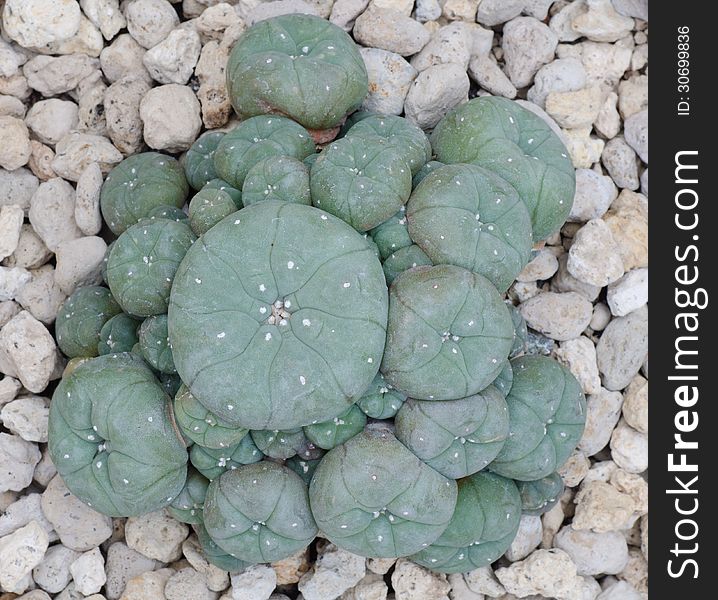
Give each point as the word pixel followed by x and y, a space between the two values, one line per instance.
pixel 85 83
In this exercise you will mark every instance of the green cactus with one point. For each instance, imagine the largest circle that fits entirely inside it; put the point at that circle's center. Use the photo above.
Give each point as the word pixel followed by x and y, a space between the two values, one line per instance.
pixel 540 496
pixel 212 462
pixel 215 555
pixel 304 467
pixel 198 162
pixel 392 234
pixel 207 208
pixel 465 215
pixel 504 380
pixel 362 180
pixel 353 119
pixel 80 320
pixel 221 184
pixel 449 333
pixel 520 332
pixel 373 497
pixel 456 437
pixel 277 178
pixel 380 400
pixel 143 262
pixel 547 413
pixel 122 458
pixel 280 444
pixel 329 434
pixel 118 334
pixel 428 168
pixel 155 344
pixel 258 138
pixel 139 184
pixel 168 212
pixel 403 260
pixel 308 305
pixel 259 512
pixel 484 523
pixel 518 146
pixel 187 506
pixel 300 66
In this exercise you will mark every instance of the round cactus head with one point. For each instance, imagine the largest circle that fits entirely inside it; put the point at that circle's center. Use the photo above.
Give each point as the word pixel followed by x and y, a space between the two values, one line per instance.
pixel 465 215
pixel 187 506
pixel 547 413
pixel 208 207
pixel 155 344
pixel 198 162
pixel 215 555
pixel 373 497
pixel 449 333
pixel 300 66
pixel 380 400
pixel 212 462
pixel 277 178
pixel 338 430
pixel 121 458
pixel 139 184
pixel 485 522
pixel 540 496
pixel 518 146
pixel 280 445
pixel 308 308
pixel 402 260
pixel 259 513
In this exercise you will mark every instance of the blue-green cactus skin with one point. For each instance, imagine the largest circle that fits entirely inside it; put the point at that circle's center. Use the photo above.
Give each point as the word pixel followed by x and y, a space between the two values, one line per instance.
pixel 329 434
pixel 392 234
pixel 168 212
pixel 428 168
pixel 547 414
pixel 380 400
pixel 258 138
pixel 404 259
pixel 201 426
pixel 300 66
pixel 222 185
pixel 277 178
pixel 121 458
pixel 118 334
pixel 373 497
pixel 304 467
pixel 207 208
pixel 504 380
pixel 81 318
pixel 215 555
pixel 353 119
pixel 456 437
pixel 187 506
pixel 143 263
pixel 155 344
pixel 361 180
pixel 520 332
pixel 449 333
pixel 540 496
pixel 465 215
pixel 407 140
pixel 280 444
pixel 308 307
pixel 212 462
pixel 518 146
pixel 259 513
pixel 484 524
pixel 139 184
pixel 170 382
pixel 198 162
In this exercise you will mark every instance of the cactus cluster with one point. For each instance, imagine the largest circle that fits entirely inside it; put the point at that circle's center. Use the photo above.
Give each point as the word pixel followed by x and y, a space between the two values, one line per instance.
pixel 316 340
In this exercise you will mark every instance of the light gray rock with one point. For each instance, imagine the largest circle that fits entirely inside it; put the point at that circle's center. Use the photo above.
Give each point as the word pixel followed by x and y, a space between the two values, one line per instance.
pixel 632 95
pixel 150 21
pixel 55 75
pixel 9 386
pixel 563 281
pixel 537 8
pixel 44 471
pixel 276 8
pixel 602 507
pixel 558 316
pixel 27 351
pixel 427 10
pixel 621 590
pixel 632 8
pixel 449 44
pixel 380 566
pixel 412 582
pixel 434 92
pixel 16 149
pixel 549 573
pixel 80 527
pixel 41 296
pixel 540 268
pixel 30 252
pixel 156 535
pixel 495 12
pixel 8 309
pixel 528 44
pixel 603 410
pixel 171 117
pixel 37 23
pixel 601 317
pixel 604 63
pixel 460 589
pixel 122 564
pixel 579 355
pixel 17 187
pixel 528 537
pixel 148 586
pixel 188 583
pixel 12 281
pixel 644 183
pixel 483 581
pixel 174 58
pixel 79 263
pixel 256 582
pixel 217 580
pixel 23 511
pixel 594 256
pixel 77 150
pixel 594 553
pixel 635 406
pixel 484 71
pixel 636 133
pixel 622 349
pixel 105 15
pixel 20 552
pixel 27 417
pixel 214 21
pixel 628 293
pixel 19 458
pixel 629 448
pixel 608 121
pixel 390 30
pixel 561 22
pixel 345 12
pixel 87 200
pixel 122 106
pixel 390 78
pixel 88 572
pixel 123 57
pixel 52 213
pixel 335 571
pixel 10 59
pixel 628 221
pixel 601 23
pixel 594 195
pixel 53 573
pixel 621 163
pixel 575 109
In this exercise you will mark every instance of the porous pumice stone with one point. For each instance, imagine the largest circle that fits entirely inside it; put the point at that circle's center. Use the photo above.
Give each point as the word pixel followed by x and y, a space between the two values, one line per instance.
pixel 512 142
pixel 373 497
pixel 201 426
pixel 455 437
pixel 277 178
pixel 402 135
pixel 198 161
pixel 259 513
pixel 540 496
pixel 142 264
pixel 112 438
pixel 187 506
pixel 449 333
pixel 547 414
pixel 484 523
pixel 212 462
pixel 362 180
pixel 256 139
pixel 139 184
pixel 300 66
pixel 465 215
pixel 277 317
